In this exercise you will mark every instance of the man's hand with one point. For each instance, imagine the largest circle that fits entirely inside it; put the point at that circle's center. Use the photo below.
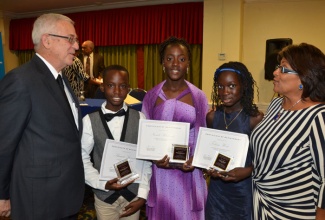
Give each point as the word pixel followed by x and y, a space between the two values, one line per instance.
pixel 5 208
pixel 133 207
pixel 113 185
pixel 95 81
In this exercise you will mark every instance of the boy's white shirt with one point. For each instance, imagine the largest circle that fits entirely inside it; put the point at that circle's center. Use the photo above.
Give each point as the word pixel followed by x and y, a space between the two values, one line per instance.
pixel 87 144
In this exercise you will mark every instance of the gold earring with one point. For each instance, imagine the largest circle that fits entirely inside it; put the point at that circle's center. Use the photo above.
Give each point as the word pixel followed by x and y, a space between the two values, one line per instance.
pixel 187 70
pixel 164 69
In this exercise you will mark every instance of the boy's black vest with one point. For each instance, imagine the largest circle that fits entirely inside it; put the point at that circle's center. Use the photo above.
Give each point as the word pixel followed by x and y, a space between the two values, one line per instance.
pixel 101 133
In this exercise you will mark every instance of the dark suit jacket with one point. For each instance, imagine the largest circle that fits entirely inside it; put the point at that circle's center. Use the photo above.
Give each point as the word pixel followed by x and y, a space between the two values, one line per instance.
pixel 98 67
pixel 98 63
pixel 41 169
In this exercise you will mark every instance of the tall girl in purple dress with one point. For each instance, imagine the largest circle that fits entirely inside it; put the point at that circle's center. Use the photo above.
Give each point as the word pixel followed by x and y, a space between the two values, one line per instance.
pixel 176 192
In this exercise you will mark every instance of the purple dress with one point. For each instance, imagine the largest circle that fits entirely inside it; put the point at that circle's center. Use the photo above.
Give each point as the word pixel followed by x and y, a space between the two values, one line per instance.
pixel 175 194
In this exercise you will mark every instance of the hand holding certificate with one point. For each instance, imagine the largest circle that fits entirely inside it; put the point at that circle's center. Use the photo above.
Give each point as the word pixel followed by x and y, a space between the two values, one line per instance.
pixel 221 150
pixel 119 161
pixel 159 138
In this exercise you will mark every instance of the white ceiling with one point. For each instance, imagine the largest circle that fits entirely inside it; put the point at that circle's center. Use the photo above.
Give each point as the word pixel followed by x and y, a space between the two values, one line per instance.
pixel 30 8
pixel 33 8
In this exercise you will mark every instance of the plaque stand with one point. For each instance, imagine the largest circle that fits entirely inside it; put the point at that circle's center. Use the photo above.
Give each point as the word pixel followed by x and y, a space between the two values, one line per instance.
pixel 221 162
pixel 124 172
pixel 179 154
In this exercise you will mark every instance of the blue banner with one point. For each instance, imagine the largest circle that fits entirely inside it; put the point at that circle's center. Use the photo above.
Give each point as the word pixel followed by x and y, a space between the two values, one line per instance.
pixel 2 61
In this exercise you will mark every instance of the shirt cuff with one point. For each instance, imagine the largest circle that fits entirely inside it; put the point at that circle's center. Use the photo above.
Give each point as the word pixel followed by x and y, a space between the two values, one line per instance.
pixel 143 193
pixel 101 185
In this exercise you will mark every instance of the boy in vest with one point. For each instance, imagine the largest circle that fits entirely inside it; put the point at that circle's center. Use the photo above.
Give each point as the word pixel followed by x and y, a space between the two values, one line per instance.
pixel 113 200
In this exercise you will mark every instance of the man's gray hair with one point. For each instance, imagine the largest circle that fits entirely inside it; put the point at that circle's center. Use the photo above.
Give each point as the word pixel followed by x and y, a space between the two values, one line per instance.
pixel 46 24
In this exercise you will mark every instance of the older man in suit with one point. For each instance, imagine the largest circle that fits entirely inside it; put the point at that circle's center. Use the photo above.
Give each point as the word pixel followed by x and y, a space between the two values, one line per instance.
pixel 41 170
pixel 93 65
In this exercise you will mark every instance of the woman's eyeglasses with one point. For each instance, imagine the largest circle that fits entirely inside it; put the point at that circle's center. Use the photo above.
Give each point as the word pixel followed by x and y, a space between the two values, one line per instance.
pixel 285 70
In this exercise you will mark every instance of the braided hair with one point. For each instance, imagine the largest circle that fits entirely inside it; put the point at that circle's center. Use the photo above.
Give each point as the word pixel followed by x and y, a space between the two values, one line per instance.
pixel 247 81
pixel 173 41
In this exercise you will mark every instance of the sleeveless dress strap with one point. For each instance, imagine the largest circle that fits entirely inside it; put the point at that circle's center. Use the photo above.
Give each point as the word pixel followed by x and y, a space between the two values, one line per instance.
pixel 181 95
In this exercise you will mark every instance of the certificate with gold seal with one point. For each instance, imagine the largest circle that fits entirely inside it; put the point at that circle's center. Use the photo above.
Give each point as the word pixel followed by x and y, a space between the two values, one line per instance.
pixel 221 150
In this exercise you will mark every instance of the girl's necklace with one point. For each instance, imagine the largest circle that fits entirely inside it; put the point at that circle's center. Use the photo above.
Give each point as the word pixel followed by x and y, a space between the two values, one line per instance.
pixel 278 115
pixel 224 117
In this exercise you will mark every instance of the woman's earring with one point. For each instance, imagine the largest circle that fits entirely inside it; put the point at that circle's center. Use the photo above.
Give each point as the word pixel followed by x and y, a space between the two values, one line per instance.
pixel 301 87
pixel 187 70
pixel 164 69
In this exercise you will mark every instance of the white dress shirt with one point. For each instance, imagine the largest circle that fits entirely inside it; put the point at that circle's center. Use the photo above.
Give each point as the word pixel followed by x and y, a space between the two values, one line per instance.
pixel 87 142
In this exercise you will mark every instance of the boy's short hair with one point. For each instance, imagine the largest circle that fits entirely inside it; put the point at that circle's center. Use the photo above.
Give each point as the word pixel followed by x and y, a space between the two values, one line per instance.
pixel 115 67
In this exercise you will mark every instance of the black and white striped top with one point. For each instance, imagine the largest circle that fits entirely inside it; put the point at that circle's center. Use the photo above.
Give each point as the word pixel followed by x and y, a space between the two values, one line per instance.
pixel 289 163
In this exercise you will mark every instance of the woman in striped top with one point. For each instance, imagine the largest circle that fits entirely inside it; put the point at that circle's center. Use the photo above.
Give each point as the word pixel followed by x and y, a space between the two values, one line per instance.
pixel 289 144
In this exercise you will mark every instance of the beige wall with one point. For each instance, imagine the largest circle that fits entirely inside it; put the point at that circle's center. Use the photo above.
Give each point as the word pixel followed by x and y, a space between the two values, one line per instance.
pixel 222 30
pixel 300 20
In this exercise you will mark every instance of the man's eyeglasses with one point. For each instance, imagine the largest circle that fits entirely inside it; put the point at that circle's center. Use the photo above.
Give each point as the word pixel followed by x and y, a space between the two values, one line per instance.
pixel 285 70
pixel 71 39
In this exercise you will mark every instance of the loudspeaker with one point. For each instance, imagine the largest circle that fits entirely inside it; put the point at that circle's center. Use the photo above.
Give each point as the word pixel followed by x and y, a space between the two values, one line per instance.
pixel 273 47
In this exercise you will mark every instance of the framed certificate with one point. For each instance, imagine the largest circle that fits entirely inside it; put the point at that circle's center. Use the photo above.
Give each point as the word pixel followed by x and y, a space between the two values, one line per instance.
pixel 221 150
pixel 156 138
pixel 119 160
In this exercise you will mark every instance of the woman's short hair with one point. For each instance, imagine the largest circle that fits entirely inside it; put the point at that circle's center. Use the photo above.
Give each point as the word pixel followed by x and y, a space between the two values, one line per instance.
pixel 309 62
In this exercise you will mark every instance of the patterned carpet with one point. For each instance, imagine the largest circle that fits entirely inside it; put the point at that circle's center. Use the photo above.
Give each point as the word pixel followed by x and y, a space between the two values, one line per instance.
pixel 87 211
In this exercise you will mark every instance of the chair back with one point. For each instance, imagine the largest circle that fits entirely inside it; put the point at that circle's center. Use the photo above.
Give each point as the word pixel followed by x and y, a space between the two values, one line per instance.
pixel 138 93
pixel 99 94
